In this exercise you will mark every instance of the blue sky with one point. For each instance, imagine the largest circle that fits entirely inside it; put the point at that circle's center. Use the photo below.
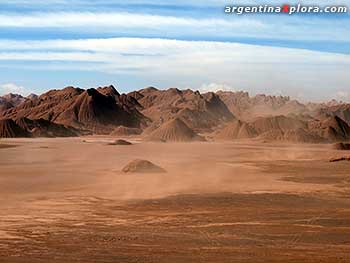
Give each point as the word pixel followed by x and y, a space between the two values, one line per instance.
pixel 184 44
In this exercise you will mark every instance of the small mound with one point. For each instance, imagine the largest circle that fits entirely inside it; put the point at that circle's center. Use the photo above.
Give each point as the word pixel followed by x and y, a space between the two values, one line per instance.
pixel 9 129
pixel 125 131
pixel 142 166
pixel 176 131
pixel 342 146
pixel 120 142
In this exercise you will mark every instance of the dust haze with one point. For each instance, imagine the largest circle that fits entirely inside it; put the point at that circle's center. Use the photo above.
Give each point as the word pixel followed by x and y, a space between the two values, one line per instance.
pixel 173 176
pixel 55 188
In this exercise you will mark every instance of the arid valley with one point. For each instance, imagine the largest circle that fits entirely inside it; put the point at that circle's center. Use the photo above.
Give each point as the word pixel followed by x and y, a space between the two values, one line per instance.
pixel 180 131
pixel 66 200
pixel 173 176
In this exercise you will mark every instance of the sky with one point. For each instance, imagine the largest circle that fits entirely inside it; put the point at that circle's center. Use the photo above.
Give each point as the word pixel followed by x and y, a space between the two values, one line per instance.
pixel 181 43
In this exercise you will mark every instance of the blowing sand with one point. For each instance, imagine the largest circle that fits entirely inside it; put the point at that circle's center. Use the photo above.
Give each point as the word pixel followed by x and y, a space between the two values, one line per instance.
pixel 63 200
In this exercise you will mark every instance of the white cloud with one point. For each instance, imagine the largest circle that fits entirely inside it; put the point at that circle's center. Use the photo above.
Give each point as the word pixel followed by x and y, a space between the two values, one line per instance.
pixel 11 88
pixel 343 95
pixel 126 48
pixel 55 56
pixel 102 2
pixel 214 87
pixel 214 3
pixel 116 19
pixel 227 26
pixel 258 69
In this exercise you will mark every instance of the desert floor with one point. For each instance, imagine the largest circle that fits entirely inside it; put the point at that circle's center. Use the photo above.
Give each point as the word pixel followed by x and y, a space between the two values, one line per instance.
pixel 66 200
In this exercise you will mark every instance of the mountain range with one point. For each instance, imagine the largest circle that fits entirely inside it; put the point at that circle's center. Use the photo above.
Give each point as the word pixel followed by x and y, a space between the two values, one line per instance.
pixel 173 114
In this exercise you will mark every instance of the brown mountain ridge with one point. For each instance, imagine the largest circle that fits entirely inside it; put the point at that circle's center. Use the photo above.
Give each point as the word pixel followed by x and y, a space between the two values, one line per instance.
pixel 173 115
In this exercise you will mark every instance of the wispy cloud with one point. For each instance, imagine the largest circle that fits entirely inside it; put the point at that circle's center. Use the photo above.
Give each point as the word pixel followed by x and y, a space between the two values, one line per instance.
pixel 289 28
pixel 55 56
pixel 151 51
pixel 108 20
pixel 163 2
pixel 113 49
pixel 193 63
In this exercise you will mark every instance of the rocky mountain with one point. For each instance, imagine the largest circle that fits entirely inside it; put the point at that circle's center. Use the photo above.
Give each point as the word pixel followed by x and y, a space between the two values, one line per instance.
pixel 247 108
pixel 236 130
pixel 173 115
pixel 332 128
pixel 289 129
pixel 32 96
pixel 339 110
pixel 198 111
pixel 283 123
pixel 298 135
pixel 89 109
pixel 10 129
pixel 10 100
pixel 174 130
pixel 45 128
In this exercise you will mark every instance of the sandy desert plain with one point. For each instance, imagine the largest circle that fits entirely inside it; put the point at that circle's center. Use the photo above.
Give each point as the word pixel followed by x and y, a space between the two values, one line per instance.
pixel 67 200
